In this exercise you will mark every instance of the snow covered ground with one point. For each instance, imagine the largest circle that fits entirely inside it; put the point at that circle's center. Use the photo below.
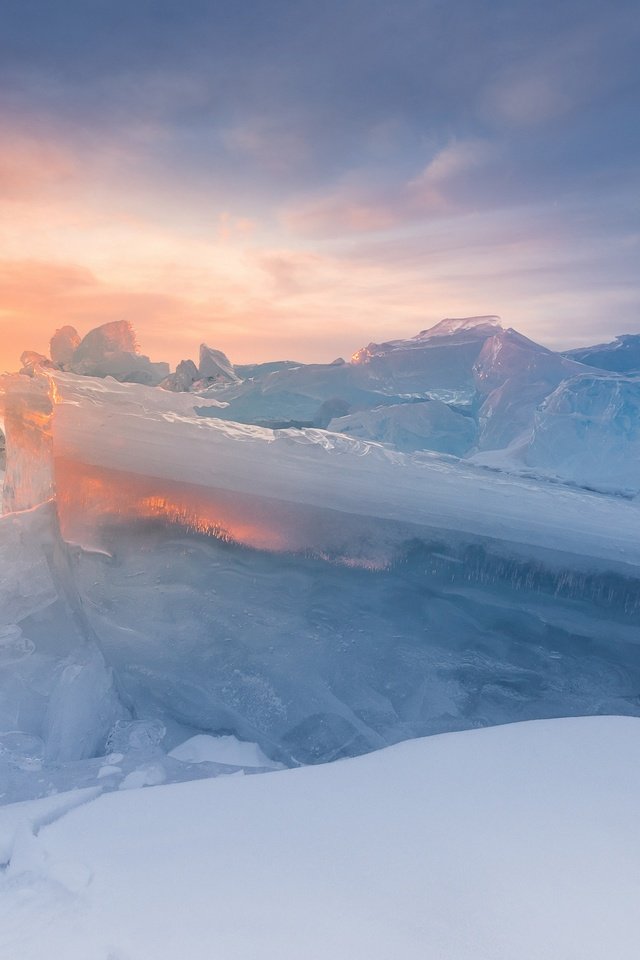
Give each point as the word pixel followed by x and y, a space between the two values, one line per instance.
pixel 513 843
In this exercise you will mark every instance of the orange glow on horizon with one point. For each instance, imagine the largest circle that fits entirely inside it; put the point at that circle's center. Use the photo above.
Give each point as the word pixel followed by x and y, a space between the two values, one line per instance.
pixel 91 236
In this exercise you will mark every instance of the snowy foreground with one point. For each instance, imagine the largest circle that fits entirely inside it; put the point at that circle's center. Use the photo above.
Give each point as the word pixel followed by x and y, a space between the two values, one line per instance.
pixel 512 843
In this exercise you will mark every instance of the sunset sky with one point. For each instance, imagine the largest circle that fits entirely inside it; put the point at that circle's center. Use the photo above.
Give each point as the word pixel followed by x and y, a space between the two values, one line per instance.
pixel 284 178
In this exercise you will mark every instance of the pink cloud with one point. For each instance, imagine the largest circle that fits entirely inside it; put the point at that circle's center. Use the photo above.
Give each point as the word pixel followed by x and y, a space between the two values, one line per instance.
pixel 30 165
pixel 435 191
pixel 277 145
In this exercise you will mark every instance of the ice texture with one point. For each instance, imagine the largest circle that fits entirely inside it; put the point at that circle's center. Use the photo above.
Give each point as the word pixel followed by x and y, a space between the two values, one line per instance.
pixel 64 344
pixel 186 374
pixel 27 410
pixel 215 366
pixel 58 699
pixel 588 432
pixel 82 709
pixel 425 425
pixel 111 350
pixel 313 593
pixel 435 364
pixel 440 358
pixel 622 355
pixel 513 375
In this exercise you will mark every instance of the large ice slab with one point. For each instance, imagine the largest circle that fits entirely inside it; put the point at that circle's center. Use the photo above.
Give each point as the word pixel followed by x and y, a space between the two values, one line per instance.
pixel 58 699
pixel 588 432
pixel 299 589
pixel 513 376
pixel 157 436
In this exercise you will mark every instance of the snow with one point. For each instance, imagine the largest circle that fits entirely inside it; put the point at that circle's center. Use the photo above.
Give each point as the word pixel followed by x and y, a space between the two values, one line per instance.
pixel 206 749
pixel 451 326
pixel 519 841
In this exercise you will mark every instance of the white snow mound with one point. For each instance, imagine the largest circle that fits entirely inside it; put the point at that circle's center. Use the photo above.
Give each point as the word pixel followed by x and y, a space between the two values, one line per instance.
pixel 207 749
pixel 518 841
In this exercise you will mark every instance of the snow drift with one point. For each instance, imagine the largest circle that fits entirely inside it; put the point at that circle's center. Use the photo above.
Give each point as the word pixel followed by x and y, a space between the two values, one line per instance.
pixel 519 841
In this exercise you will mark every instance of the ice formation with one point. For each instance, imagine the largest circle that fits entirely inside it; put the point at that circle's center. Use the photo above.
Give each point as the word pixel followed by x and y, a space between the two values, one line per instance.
pixel 215 366
pixel 425 425
pixel 109 350
pixel 438 359
pixel 173 572
pixel 513 375
pixel 622 355
pixel 588 431
pixel 314 594
pixel 64 344
pixel 182 380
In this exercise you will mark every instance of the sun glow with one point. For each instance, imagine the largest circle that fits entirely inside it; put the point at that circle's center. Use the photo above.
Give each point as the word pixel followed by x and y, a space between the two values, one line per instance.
pixel 91 499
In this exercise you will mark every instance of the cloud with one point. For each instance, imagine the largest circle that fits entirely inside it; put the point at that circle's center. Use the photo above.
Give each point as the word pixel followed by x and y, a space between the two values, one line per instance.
pixel 31 165
pixel 443 187
pixel 568 74
pixel 272 143
pixel 300 179
pixel 531 99
pixel 437 187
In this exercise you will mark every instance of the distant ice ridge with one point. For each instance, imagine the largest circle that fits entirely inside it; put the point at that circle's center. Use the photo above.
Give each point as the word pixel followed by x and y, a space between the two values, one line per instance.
pixel 110 350
pixel 160 436
pixel 314 594
pixel 584 433
pixel 424 425
pixel 622 355
pixel 513 375
pixel 466 386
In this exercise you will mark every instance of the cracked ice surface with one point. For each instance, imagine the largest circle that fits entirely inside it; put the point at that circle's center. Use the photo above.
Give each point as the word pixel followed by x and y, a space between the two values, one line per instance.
pixel 313 594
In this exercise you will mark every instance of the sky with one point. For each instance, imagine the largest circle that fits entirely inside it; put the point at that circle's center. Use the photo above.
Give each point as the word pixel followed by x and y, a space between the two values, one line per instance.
pixel 286 178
